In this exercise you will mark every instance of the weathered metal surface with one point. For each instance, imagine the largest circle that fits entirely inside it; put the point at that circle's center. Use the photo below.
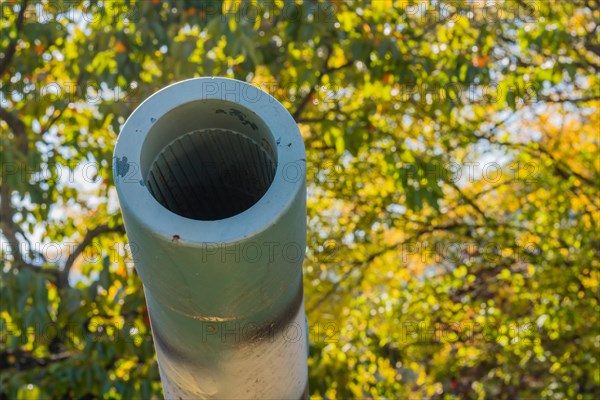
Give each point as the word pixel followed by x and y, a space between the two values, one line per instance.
pixel 210 174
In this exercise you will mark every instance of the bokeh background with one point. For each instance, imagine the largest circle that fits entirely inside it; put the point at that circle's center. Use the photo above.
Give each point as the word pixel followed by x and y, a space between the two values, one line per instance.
pixel 453 176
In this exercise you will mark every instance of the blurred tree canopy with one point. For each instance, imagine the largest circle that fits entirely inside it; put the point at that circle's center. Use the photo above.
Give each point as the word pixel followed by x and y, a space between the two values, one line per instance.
pixel 453 177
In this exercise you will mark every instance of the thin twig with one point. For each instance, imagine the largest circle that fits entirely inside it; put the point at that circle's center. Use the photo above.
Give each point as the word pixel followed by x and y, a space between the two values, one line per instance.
pixel 90 235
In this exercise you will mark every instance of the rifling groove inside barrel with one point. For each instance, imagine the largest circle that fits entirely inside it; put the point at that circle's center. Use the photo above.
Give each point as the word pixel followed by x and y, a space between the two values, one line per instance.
pixel 211 174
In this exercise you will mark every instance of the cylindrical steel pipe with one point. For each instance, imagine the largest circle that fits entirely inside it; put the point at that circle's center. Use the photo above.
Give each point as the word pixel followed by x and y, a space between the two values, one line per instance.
pixel 210 174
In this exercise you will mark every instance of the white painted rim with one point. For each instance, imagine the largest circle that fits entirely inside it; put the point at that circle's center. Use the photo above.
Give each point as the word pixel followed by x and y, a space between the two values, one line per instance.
pixel 141 205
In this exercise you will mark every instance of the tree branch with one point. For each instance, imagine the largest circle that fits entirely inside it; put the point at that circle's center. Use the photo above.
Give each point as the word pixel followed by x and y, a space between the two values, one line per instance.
pixel 324 71
pixel 25 360
pixel 567 100
pixel 12 46
pixel 90 235
pixel 372 257
pixel 18 128
pixel 560 167
pixel 469 200
pixel 10 231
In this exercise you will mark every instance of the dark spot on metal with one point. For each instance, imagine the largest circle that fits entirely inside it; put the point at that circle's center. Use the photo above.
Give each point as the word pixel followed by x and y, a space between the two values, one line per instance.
pixel 175 238
pixel 269 328
pixel 290 144
pixel 241 116
pixel 306 394
pixel 142 182
pixel 153 120
pixel 122 166
pixel 161 343
pixel 279 140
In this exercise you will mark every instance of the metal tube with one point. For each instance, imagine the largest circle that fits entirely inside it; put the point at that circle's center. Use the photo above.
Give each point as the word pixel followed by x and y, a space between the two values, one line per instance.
pixel 210 174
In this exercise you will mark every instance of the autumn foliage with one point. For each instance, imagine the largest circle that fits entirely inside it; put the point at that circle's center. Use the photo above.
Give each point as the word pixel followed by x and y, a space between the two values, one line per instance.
pixel 453 176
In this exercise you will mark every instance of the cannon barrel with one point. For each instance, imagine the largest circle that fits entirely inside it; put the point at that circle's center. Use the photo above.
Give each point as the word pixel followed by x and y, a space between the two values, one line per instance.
pixel 210 174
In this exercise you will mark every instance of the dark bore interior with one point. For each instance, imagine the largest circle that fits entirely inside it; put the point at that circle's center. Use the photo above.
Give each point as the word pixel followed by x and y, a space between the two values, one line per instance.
pixel 211 174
